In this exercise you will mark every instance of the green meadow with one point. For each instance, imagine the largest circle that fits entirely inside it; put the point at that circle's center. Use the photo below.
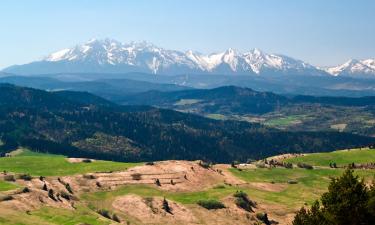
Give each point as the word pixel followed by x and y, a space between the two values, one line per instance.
pixel 341 158
pixel 38 164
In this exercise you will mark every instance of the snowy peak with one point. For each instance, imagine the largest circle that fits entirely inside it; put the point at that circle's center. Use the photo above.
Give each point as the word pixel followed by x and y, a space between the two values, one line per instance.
pixel 158 60
pixel 112 56
pixel 354 67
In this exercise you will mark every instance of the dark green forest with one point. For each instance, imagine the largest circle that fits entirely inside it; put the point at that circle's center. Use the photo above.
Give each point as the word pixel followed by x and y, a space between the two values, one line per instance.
pixel 83 125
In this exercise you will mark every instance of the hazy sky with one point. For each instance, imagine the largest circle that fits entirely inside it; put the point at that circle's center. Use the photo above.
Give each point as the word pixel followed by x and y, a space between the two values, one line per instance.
pixel 321 32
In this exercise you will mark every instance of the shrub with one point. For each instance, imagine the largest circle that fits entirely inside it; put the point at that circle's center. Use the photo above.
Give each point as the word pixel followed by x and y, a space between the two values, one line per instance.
pixel 219 186
pixel 263 217
pixel 166 206
pixel 305 165
pixel 65 195
pixel 10 178
pixel 88 176
pixel 6 198
pixel 205 165
pixel 68 188
pixel 51 195
pixel 25 190
pixel 26 177
pixel 136 176
pixel 288 165
pixel 116 218
pixel 211 204
pixel 105 213
pixel 243 201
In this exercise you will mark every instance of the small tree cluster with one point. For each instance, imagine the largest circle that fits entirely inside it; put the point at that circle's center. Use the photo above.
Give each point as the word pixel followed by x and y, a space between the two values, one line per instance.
pixel 243 201
pixel 348 201
pixel 211 204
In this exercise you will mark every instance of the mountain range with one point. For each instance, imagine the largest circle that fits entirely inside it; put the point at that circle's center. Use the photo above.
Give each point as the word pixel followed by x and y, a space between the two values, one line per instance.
pixel 111 56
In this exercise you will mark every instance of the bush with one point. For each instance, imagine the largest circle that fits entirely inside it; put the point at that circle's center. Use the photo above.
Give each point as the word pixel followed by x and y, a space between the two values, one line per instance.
pixel 288 165
pixel 105 213
pixel 25 177
pixel 51 195
pixel 88 176
pixel 264 218
pixel 211 204
pixel 65 195
pixel 305 165
pixel 205 165
pixel 166 206
pixel 9 178
pixel 136 176
pixel 219 186
pixel 243 201
pixel 25 190
pixel 6 198
pixel 68 188
pixel 116 218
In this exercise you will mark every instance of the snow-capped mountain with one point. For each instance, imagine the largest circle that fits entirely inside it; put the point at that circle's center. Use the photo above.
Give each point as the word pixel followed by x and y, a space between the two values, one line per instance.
pixel 354 67
pixel 110 56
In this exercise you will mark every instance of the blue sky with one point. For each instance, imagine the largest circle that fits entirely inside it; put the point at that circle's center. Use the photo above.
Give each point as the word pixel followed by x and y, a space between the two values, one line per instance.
pixel 321 32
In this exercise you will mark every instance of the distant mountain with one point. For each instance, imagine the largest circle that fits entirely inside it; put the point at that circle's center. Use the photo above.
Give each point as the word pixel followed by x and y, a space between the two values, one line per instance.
pixel 83 125
pixel 110 56
pixel 111 89
pixel 355 68
pixel 236 100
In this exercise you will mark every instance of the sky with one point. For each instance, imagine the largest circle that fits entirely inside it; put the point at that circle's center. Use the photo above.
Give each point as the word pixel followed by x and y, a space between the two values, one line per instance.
pixel 320 32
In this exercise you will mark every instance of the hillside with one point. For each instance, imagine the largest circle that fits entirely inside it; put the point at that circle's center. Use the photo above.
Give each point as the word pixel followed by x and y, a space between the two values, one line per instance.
pixel 299 112
pixel 93 192
pixel 83 125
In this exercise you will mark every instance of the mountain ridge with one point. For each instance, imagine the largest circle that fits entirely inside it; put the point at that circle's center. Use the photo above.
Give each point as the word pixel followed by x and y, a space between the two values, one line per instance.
pixel 112 56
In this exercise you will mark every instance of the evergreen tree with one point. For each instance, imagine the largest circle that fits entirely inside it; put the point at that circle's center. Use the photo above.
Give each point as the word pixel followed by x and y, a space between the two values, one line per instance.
pixel 347 202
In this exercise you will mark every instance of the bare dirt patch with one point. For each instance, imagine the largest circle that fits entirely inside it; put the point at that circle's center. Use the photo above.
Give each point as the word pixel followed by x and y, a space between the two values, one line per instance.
pixel 268 186
pixel 150 210
pixel 79 160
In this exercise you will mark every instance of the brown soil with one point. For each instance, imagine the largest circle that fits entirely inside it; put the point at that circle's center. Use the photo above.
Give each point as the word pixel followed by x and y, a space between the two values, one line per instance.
pixel 150 210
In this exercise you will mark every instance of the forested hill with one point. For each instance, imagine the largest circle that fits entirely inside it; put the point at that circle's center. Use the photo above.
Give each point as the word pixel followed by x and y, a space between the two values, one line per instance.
pixel 80 124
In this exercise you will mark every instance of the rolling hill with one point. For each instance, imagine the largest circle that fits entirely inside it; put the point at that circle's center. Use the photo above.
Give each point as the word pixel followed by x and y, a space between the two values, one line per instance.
pixel 81 124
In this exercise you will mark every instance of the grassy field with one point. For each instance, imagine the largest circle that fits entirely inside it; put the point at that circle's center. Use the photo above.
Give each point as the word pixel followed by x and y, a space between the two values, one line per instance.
pixel 310 184
pixel 187 102
pixel 6 186
pixel 38 164
pixel 55 216
pixel 216 116
pixel 147 191
pixel 341 158
pixel 284 121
